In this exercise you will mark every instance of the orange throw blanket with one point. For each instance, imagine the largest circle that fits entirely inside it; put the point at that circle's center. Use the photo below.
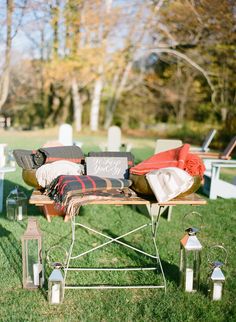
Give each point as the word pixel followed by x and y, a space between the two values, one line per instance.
pixel 179 157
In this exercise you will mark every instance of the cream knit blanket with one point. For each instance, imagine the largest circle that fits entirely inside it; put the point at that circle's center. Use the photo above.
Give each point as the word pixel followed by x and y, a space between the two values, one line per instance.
pixel 167 183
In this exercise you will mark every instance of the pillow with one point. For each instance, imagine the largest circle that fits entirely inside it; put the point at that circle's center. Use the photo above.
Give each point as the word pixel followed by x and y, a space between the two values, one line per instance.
pixel 48 172
pixel 129 155
pixel 167 183
pixel 111 167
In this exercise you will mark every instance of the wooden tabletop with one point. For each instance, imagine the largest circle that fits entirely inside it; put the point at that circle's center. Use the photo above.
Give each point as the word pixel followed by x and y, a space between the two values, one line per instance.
pixel 38 199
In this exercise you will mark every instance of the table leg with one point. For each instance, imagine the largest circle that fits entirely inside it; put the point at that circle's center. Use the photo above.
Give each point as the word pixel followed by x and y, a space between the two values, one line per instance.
pixel 155 213
pixel 215 174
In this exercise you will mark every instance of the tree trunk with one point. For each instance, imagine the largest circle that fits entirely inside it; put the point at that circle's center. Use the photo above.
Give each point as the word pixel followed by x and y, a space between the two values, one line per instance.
pixel 4 81
pixel 95 106
pixel 77 105
pixel 112 104
pixel 55 12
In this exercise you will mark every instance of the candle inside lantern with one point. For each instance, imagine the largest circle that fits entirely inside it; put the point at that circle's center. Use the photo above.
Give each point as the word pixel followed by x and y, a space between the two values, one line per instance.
pixel 36 273
pixel 189 280
pixel 56 294
pixel 20 214
pixel 217 291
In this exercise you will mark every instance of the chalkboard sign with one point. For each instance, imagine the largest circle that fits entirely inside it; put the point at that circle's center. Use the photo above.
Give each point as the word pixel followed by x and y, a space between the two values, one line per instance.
pixel 108 167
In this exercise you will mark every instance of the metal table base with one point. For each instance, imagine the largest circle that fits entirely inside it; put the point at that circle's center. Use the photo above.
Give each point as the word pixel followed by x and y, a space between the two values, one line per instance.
pixel 154 211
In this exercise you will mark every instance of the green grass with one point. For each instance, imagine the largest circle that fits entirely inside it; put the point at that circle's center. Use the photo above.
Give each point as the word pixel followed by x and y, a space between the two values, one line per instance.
pixel 18 304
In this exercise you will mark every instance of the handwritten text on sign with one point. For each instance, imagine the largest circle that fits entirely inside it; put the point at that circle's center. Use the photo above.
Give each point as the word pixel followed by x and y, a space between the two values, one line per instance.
pixel 110 167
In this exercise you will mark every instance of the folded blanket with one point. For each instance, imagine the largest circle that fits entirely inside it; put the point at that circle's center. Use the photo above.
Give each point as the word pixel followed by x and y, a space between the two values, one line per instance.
pixel 48 172
pixel 167 183
pixel 67 185
pixel 170 158
pixel 179 158
pixel 47 155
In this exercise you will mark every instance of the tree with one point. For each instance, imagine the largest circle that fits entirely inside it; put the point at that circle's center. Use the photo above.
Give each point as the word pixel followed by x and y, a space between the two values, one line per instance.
pixel 4 80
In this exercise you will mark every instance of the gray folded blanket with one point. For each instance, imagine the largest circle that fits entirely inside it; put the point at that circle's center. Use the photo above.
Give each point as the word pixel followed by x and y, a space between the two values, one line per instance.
pixel 48 155
pixel 30 159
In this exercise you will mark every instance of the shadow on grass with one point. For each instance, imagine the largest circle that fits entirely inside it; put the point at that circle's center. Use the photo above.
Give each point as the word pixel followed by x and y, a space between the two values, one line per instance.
pixel 171 271
pixel 12 250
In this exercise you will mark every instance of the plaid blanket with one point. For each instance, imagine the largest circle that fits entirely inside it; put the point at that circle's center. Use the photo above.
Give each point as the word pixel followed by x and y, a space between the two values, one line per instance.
pixel 48 155
pixel 66 186
pixel 73 203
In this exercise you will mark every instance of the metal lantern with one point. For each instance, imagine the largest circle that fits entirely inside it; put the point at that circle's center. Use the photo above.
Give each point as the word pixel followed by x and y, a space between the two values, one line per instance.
pixel 16 204
pixel 56 287
pixel 56 284
pixel 190 260
pixel 217 281
pixel 32 256
pixel 217 278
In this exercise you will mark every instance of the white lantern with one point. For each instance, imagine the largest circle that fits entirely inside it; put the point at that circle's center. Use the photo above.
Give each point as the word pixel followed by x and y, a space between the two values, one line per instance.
pixel 216 277
pixel 56 287
pixel 217 281
pixel 190 260
pixel 56 282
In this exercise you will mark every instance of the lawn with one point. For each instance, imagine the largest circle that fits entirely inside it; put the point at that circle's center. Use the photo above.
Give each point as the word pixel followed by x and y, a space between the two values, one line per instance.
pixel 218 227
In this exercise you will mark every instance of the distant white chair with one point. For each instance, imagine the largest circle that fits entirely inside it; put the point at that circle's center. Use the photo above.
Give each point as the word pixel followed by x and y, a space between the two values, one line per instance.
pixel 166 144
pixel 65 135
pixel 214 186
pixel 114 142
pixel 206 142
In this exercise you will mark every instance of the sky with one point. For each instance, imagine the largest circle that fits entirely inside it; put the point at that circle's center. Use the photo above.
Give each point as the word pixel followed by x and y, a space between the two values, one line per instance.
pixel 27 24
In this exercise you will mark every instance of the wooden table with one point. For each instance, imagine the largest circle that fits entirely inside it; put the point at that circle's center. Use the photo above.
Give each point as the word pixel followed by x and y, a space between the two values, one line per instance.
pixel 50 209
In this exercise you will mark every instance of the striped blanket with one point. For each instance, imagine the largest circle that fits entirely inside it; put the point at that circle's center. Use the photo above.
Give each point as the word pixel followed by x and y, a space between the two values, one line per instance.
pixel 66 186
pixel 48 155
pixel 33 159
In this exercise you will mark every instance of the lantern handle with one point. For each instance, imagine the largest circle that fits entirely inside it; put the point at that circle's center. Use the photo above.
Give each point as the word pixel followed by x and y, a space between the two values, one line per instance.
pixel 222 248
pixel 53 263
pixel 194 213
